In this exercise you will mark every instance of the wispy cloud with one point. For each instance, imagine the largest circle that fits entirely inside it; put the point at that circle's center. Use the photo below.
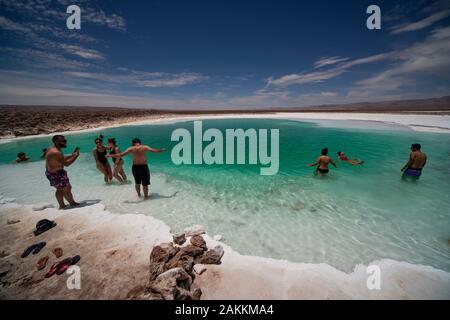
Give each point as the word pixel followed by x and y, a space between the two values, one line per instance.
pixel 326 61
pixel 320 76
pixel 46 12
pixel 421 24
pixel 34 58
pixel 82 52
pixel 10 25
pixel 429 58
pixel 143 79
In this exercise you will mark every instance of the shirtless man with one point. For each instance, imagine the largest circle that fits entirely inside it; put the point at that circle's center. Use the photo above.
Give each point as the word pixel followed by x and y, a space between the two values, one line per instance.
pixel 417 160
pixel 55 161
pixel 322 162
pixel 140 170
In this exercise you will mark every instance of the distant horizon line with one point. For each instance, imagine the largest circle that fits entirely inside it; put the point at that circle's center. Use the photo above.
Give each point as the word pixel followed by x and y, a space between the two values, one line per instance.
pixel 441 103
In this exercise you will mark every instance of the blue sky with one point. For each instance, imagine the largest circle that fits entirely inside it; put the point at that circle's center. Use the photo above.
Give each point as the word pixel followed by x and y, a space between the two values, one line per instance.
pixel 222 54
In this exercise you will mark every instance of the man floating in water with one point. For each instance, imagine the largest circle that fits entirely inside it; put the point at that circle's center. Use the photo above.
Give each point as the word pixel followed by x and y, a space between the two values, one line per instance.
pixel 140 170
pixel 417 160
pixel 343 157
pixel 21 157
pixel 322 162
pixel 55 161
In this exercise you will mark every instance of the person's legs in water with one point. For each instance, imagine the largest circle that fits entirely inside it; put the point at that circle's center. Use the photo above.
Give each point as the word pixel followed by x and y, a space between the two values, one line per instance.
pixel 115 173
pixel 355 162
pixel 145 178
pixel 121 171
pixel 60 198
pixel 60 181
pixel 67 192
pixel 102 169
pixel 109 172
pixel 138 189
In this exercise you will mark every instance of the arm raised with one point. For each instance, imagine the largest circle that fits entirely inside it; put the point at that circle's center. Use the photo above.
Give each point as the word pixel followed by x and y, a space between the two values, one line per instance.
pixel 147 148
pixel 120 155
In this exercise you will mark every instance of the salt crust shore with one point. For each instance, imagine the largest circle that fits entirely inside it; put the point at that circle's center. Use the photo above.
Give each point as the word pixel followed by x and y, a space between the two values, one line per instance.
pixel 416 122
pixel 115 251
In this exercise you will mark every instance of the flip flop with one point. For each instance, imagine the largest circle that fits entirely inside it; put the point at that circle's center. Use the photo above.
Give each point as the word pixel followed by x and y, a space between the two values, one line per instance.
pixel 53 269
pixel 42 262
pixel 43 226
pixel 39 247
pixel 66 263
pixel 28 250
pixel 75 260
pixel 58 252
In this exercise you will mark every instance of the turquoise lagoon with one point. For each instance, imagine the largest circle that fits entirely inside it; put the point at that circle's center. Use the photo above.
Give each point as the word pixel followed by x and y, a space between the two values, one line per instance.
pixel 357 214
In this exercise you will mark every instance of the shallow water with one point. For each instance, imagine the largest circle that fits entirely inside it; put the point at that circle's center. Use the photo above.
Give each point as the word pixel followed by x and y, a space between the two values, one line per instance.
pixel 355 215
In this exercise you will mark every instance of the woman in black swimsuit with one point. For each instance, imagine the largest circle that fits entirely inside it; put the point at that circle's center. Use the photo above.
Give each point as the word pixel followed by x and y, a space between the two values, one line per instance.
pixel 117 172
pixel 101 161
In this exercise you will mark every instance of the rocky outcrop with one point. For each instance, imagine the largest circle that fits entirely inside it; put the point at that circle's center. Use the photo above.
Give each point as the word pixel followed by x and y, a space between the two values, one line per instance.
pixel 212 256
pixel 172 268
pixel 198 241
pixel 179 238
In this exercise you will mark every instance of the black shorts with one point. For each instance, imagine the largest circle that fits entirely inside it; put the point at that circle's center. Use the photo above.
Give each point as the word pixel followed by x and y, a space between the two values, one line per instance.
pixel 323 170
pixel 141 174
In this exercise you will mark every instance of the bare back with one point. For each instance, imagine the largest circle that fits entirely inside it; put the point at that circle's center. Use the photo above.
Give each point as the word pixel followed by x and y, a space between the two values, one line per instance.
pixel 418 159
pixel 323 162
pixel 54 159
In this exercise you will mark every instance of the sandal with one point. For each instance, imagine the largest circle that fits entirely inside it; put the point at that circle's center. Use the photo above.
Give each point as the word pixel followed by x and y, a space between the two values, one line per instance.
pixel 58 252
pixel 35 248
pixel 66 263
pixel 53 269
pixel 39 247
pixel 42 262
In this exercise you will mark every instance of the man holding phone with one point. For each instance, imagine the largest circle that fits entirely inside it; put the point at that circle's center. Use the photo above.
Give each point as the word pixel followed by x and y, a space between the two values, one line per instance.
pixel 55 161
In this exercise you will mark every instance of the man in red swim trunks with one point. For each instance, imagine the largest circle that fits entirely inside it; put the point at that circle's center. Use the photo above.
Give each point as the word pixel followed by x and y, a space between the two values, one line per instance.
pixel 55 161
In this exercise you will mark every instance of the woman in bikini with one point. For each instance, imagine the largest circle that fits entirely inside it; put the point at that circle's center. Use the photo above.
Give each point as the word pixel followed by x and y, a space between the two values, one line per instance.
pixel 322 163
pixel 100 152
pixel 117 172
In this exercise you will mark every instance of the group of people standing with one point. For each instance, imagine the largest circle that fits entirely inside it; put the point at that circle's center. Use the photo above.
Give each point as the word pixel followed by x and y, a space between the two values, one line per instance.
pixel 100 155
pixel 55 161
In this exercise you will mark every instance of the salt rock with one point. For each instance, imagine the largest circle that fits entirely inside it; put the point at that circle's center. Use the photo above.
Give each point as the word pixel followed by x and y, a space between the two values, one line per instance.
pixel 218 237
pixel 212 256
pixel 171 283
pixel 198 241
pixel 192 250
pixel 179 238
pixel 158 258
pixel 181 260
pixel 196 292
pixel 194 230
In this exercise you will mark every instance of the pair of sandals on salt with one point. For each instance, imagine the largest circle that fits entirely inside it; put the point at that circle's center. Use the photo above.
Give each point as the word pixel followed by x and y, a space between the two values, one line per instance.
pixel 58 267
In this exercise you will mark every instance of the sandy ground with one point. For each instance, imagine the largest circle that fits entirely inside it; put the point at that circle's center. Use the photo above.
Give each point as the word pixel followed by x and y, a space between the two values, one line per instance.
pixel 115 253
